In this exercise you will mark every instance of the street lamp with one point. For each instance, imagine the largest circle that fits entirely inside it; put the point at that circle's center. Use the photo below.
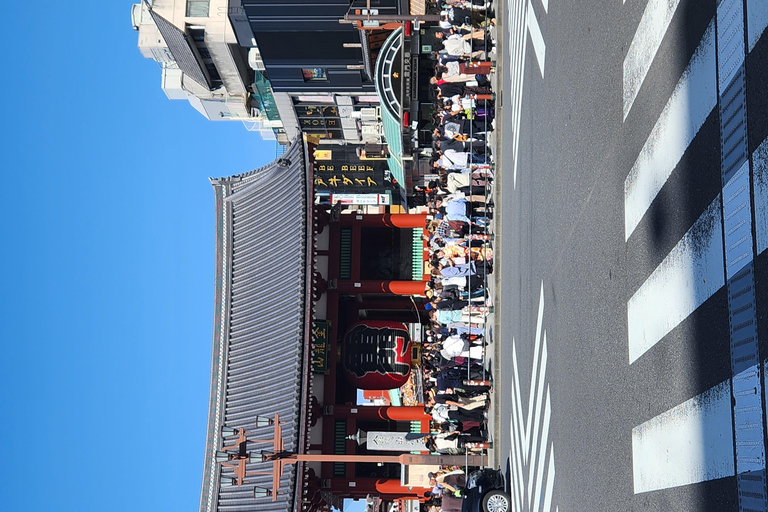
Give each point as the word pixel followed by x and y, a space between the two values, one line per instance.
pixel 261 492
pixel 228 482
pixel 263 421
pixel 361 436
pixel 229 431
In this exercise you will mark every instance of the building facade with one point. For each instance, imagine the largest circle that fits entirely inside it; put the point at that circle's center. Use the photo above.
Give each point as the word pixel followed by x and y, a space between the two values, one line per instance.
pixel 201 62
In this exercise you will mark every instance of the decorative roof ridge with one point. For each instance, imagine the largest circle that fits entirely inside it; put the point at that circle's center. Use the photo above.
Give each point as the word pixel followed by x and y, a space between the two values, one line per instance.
pixel 285 158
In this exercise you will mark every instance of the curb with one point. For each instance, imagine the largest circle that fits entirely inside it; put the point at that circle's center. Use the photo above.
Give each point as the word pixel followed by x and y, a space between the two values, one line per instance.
pixel 493 456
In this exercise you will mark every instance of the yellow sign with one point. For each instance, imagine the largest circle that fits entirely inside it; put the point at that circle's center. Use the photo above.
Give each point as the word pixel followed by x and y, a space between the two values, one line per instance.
pixel 320 347
pixel 323 154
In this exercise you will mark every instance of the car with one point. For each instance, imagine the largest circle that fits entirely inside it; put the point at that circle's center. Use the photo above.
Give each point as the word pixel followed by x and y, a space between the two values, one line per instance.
pixel 486 492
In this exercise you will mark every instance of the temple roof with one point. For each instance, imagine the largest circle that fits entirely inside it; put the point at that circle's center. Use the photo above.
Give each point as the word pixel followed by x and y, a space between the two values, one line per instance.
pixel 261 310
pixel 180 46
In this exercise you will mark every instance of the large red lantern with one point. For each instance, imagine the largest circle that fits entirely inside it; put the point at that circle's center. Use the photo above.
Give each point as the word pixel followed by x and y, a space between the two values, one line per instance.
pixel 377 354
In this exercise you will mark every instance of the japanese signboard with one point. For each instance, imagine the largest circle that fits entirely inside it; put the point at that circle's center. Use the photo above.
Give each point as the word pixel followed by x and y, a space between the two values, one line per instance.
pixel 320 346
pixel 319 119
pixel 396 441
pixel 343 170
pixel 360 199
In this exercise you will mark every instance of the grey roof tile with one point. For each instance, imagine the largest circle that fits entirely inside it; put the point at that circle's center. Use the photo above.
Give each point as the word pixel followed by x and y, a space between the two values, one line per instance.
pixel 259 321
pixel 180 46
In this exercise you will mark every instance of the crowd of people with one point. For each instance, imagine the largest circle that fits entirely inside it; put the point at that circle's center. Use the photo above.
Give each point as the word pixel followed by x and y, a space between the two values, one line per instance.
pixel 445 495
pixel 464 101
pixel 456 383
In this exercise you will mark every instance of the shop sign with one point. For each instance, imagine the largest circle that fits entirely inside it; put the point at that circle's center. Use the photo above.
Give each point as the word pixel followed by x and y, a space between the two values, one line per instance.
pixel 361 199
pixel 396 441
pixel 407 75
pixel 341 170
pixel 320 347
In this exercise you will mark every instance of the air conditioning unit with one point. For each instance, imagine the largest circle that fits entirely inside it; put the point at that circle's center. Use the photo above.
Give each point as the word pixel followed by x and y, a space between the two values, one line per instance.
pixel 368 115
pixel 254 60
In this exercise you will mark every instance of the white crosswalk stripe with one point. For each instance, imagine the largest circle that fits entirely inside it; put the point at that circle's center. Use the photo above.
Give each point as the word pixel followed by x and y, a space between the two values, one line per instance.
pixel 691 102
pixel 653 25
pixel 690 274
pixel 694 441
pixel 690 443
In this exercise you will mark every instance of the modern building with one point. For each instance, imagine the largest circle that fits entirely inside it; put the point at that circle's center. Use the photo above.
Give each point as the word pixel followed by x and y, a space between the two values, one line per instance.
pixel 347 82
pixel 304 45
pixel 201 62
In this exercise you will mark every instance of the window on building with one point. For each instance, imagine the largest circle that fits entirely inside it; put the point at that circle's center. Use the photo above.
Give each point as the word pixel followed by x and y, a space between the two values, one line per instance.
pixel 197 8
pixel 314 74
pixel 197 34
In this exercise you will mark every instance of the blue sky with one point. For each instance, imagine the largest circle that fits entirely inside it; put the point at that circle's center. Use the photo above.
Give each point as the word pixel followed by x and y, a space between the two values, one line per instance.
pixel 107 267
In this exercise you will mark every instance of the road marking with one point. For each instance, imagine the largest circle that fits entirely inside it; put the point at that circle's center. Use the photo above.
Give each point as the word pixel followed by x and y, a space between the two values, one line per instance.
pixel 694 441
pixel 518 439
pixel 521 19
pixel 757 21
pixel 645 44
pixel 550 479
pixel 532 432
pixel 542 458
pixel 690 443
pixel 539 48
pixel 691 102
pixel 760 182
pixel 530 439
pixel 690 274
pixel 518 43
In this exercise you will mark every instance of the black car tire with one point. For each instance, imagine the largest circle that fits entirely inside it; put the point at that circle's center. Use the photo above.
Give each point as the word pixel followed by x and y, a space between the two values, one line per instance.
pixel 496 501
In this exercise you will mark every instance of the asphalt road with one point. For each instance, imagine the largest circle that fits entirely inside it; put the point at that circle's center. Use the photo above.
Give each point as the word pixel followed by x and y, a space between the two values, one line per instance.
pixel 590 413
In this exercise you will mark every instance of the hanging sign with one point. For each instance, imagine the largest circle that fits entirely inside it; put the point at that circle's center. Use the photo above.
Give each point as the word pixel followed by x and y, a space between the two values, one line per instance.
pixel 320 347
pixel 377 354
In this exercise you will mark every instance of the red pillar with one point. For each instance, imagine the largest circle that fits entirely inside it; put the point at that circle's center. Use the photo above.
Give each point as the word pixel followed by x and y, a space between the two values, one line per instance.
pixel 383 412
pixel 364 486
pixel 393 287
pixel 384 220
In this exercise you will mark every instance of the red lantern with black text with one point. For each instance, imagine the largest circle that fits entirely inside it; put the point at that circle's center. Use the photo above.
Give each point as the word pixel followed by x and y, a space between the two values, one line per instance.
pixel 377 354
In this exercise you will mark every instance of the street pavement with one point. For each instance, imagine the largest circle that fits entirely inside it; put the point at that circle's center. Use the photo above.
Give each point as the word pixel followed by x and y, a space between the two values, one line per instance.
pixel 629 336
